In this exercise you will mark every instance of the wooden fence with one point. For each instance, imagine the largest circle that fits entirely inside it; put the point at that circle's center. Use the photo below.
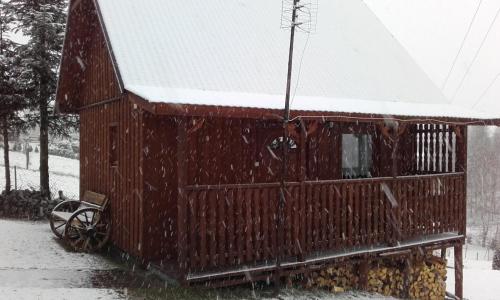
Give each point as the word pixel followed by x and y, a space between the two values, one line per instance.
pixel 230 225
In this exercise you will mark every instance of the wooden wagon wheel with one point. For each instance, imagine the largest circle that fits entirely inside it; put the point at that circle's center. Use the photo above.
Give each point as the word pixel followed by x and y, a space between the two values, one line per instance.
pixel 57 224
pixel 87 230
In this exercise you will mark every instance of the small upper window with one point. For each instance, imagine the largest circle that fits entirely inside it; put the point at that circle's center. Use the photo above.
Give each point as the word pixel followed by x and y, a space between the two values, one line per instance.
pixel 113 145
pixel 277 142
pixel 357 158
pixel 275 147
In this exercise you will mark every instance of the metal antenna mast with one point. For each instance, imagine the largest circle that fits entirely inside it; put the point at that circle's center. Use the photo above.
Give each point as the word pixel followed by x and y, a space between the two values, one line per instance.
pixel 296 8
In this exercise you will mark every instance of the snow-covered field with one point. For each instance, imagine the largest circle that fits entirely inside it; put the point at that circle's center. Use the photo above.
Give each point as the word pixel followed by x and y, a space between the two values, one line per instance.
pixel 64 173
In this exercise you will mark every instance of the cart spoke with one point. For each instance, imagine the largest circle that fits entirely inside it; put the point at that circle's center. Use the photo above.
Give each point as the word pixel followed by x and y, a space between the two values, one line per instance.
pixel 62 224
pixel 86 217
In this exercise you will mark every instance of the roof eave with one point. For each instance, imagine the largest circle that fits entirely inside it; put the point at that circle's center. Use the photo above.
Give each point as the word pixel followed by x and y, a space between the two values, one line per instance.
pixel 189 110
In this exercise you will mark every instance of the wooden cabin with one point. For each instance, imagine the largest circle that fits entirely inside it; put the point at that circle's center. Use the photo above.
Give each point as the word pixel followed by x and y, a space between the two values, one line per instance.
pixel 180 104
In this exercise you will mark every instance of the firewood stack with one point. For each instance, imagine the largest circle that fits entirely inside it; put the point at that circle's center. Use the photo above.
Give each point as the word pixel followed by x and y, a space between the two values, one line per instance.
pixel 386 280
pixel 426 278
pixel 337 280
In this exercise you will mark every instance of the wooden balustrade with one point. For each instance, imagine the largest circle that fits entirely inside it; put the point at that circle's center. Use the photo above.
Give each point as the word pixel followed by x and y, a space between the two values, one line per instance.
pixel 231 225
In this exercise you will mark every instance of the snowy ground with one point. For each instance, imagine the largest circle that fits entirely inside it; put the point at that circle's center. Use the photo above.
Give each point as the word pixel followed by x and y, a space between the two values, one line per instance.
pixel 64 173
pixel 33 265
pixel 480 281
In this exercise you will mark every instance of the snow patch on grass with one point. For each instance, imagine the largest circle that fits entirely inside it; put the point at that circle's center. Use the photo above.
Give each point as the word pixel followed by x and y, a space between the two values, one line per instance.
pixel 31 245
pixel 64 173
pixel 61 294
pixel 480 281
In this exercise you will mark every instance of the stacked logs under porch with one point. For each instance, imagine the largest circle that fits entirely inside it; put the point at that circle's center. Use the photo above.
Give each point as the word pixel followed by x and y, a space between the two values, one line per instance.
pixel 413 276
pixel 415 273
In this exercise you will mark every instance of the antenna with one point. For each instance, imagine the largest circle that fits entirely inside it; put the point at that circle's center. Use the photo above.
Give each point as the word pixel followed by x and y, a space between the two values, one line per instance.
pixel 306 15
pixel 296 15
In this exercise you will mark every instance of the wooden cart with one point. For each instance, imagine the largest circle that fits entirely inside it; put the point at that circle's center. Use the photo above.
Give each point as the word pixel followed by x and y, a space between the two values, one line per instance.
pixel 84 224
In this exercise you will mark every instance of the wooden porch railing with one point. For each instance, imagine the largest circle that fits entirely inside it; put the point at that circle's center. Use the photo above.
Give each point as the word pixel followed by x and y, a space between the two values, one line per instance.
pixel 230 225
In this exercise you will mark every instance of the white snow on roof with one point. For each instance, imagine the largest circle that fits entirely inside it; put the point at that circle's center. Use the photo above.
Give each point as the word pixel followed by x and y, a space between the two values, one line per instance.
pixel 204 52
pixel 310 104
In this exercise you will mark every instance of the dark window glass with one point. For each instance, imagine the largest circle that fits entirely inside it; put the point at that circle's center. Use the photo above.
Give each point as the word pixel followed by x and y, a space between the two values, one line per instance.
pixel 357 161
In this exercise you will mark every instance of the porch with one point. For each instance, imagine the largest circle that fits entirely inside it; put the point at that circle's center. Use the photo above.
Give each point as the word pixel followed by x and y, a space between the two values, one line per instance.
pixel 227 228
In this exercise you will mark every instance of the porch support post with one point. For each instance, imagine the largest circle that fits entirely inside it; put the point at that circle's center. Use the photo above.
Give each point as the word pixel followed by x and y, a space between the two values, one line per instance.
pixel 364 268
pixel 182 196
pixel 461 166
pixel 458 272
pixel 407 275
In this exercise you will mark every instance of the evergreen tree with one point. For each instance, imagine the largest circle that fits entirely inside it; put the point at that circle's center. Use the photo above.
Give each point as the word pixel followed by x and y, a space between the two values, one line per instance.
pixel 11 99
pixel 43 22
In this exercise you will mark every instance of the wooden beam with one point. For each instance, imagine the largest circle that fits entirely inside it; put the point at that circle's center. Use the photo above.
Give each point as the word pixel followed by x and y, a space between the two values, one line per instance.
pixel 459 280
pixel 276 114
pixel 364 268
pixel 461 166
pixel 182 234
pixel 303 177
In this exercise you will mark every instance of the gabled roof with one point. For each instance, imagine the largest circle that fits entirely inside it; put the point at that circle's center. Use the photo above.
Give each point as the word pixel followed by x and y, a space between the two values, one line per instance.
pixel 233 53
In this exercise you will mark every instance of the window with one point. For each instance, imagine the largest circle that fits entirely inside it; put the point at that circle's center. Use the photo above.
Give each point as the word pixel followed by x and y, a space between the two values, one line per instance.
pixel 113 145
pixel 277 142
pixel 275 147
pixel 357 158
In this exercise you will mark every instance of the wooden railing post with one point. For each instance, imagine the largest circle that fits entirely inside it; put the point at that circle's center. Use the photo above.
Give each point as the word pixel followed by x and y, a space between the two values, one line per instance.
pixel 182 234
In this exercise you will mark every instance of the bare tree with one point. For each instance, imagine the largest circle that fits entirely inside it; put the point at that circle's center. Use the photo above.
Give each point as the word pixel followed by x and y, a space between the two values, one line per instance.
pixel 483 179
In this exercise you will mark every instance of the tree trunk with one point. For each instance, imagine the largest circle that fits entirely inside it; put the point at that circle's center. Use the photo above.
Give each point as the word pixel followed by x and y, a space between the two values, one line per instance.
pixel 44 147
pixel 496 260
pixel 5 134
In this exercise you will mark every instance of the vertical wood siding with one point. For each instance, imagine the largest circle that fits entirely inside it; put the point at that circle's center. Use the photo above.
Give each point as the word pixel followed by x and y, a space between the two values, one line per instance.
pixel 122 184
pixel 160 187
pixel 87 73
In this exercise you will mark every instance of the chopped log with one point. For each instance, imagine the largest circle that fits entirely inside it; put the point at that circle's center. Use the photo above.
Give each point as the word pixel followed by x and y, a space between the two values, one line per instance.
pixel 413 278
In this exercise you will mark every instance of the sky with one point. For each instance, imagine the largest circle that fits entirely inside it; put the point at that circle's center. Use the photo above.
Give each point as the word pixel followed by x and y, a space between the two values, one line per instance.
pixel 432 32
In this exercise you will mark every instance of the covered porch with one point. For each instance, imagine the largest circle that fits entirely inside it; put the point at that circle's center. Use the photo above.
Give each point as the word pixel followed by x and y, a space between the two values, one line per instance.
pixel 355 191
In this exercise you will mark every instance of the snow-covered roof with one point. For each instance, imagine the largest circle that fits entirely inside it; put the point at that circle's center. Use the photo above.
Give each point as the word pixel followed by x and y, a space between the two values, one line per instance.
pixel 234 53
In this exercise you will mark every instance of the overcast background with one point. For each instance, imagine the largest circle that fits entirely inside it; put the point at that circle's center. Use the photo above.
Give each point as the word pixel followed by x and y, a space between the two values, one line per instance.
pixel 432 32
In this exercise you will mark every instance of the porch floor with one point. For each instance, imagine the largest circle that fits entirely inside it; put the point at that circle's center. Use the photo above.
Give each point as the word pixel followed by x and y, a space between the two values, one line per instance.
pixel 329 257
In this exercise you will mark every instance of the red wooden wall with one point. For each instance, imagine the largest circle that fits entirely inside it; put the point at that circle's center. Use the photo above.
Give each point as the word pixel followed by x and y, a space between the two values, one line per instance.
pixel 87 73
pixel 235 151
pixel 87 77
pixel 160 187
pixel 123 184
